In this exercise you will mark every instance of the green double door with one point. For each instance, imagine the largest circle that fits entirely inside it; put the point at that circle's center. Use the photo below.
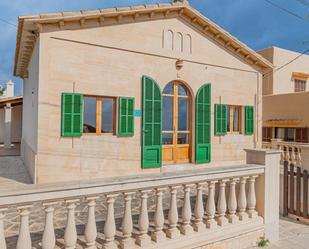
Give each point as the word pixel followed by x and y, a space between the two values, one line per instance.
pixel 152 124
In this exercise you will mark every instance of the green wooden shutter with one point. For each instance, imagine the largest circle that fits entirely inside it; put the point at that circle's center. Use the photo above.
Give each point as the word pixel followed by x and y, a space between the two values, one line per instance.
pixel 249 120
pixel 71 121
pixel 220 120
pixel 125 117
pixel 202 125
pixel 151 124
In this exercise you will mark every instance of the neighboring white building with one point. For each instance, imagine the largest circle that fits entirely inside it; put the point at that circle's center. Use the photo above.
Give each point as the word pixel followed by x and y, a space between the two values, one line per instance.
pixel 10 116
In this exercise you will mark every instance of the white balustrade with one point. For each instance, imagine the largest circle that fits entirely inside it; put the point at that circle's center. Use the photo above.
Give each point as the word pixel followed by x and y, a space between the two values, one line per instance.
pixel 110 225
pixel 229 207
pixel 211 206
pixel 232 202
pixel 2 236
pixel 242 199
pixel 91 226
pixel 143 223
pixel 173 231
pixel 186 216
pixel 70 234
pixel 24 239
pixel 158 235
pixel 49 238
pixel 127 223
pixel 199 209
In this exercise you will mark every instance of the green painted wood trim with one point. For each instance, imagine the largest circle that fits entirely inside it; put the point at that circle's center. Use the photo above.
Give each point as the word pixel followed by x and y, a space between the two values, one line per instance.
pixel 126 116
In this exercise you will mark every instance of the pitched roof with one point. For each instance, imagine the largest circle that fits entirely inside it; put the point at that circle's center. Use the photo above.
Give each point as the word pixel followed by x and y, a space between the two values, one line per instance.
pixel 29 28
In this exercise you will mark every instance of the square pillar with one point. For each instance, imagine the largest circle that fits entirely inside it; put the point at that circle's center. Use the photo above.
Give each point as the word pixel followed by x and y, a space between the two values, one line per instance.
pixel 7 126
pixel 267 189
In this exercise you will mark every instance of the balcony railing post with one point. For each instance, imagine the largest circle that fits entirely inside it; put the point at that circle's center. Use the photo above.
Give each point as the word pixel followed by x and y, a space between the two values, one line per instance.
pixel 242 199
pixel 222 220
pixel 143 223
pixel 158 235
pixel 211 206
pixel 173 231
pixel 2 234
pixel 24 239
pixel 232 202
pixel 199 209
pixel 91 226
pixel 70 234
pixel 186 227
pixel 49 238
pixel 127 222
pixel 252 198
pixel 110 225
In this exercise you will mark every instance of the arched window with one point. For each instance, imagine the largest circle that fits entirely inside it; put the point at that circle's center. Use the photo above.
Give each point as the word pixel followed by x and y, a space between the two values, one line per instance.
pixel 188 44
pixel 179 42
pixel 168 39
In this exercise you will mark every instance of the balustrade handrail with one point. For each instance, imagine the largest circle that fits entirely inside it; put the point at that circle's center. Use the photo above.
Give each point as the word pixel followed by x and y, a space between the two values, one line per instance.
pixel 46 192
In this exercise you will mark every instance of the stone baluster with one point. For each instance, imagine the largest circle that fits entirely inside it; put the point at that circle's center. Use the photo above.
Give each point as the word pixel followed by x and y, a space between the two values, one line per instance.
pixel 232 202
pixel 70 234
pixel 242 200
pixel 2 235
pixel 287 153
pixel 158 235
pixel 186 215
pixel 127 223
pixel 49 238
pixel 252 198
pixel 143 223
pixel 199 209
pixel 221 208
pixel 298 157
pixel 91 226
pixel 173 231
pixel 110 225
pixel 211 206
pixel 293 157
pixel 24 239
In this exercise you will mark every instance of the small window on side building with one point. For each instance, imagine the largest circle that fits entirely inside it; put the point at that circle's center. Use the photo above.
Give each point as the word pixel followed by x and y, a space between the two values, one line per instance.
pixel 300 85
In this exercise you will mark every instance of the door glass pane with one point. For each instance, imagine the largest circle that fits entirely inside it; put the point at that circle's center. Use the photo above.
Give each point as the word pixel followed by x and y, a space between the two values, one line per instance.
pixel 167 138
pixel 183 114
pixel 290 134
pixel 107 115
pixel 90 109
pixel 167 122
pixel 182 91
pixel 236 119
pixel 169 89
pixel 183 139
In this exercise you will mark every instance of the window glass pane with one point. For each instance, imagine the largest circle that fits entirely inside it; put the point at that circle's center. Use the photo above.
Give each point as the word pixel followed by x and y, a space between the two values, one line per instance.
pixel 183 114
pixel 182 91
pixel 167 138
pixel 236 119
pixel 280 133
pixel 167 122
pixel 169 89
pixel 228 123
pixel 182 138
pixel 107 115
pixel 90 108
pixel 290 134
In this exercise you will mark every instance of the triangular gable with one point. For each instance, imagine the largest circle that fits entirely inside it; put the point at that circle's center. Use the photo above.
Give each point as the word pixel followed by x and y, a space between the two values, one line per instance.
pixel 29 28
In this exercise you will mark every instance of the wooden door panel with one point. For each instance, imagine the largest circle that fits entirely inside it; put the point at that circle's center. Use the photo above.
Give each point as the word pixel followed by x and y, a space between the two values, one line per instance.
pixel 167 154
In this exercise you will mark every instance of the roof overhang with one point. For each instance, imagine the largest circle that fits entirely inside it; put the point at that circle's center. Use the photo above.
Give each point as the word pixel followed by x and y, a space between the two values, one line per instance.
pixel 284 122
pixel 29 28
pixel 13 101
pixel 300 75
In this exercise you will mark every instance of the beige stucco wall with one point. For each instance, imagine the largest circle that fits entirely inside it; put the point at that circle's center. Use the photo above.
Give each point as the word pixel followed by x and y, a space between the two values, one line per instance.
pixel 110 61
pixel 287 106
pixel 16 124
pixel 281 81
pixel 30 113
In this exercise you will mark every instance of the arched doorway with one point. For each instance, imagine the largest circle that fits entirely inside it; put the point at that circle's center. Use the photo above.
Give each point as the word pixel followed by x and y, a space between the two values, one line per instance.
pixel 176 123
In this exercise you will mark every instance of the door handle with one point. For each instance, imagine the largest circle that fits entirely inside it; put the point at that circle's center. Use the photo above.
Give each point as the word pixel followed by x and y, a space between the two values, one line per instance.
pixel 145 131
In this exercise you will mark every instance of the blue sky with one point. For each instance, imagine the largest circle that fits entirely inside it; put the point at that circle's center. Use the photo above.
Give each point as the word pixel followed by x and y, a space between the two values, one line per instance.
pixel 254 22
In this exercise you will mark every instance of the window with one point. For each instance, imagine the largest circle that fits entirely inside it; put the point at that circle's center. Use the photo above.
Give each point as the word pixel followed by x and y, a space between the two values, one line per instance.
pixel 289 134
pixel 267 134
pixel 302 135
pixel 300 85
pixel 233 119
pixel 99 115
